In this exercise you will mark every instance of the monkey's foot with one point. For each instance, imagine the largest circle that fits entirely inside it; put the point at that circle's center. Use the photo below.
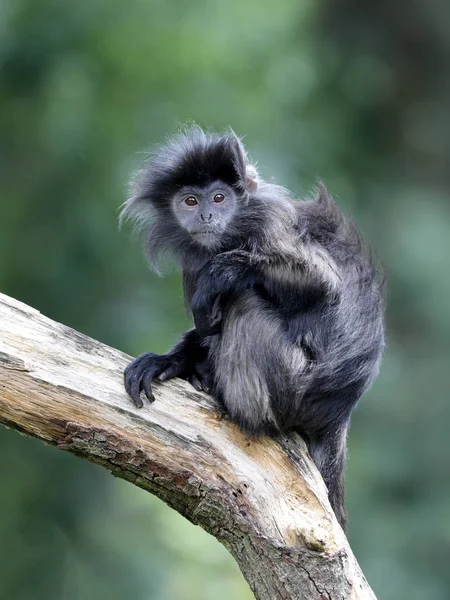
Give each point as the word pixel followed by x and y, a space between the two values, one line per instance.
pixel 139 374
pixel 201 378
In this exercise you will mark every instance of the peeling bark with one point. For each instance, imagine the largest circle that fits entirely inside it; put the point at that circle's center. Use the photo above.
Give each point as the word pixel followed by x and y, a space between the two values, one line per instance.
pixel 262 498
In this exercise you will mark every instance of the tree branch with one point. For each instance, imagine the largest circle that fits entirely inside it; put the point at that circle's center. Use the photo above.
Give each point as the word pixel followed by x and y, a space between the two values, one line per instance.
pixel 263 499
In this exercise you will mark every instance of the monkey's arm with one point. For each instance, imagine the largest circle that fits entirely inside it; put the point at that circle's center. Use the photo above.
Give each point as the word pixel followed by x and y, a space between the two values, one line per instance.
pixel 228 273
pixel 292 281
pixel 188 359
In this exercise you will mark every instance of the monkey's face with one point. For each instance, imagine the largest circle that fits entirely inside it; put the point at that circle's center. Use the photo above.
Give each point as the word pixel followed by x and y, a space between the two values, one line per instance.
pixel 205 212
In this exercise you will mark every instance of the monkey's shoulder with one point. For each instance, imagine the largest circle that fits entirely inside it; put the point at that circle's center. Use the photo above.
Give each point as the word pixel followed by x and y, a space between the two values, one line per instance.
pixel 321 221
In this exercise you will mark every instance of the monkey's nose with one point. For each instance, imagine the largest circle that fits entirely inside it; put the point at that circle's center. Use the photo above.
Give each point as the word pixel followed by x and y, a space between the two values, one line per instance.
pixel 206 217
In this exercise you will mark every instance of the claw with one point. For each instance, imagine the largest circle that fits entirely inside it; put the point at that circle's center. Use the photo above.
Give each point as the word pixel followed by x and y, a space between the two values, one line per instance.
pixel 196 383
pixel 138 401
pixel 135 389
pixel 147 386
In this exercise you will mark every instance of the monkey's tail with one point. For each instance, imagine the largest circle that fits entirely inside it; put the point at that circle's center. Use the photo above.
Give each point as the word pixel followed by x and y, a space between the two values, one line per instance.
pixel 328 449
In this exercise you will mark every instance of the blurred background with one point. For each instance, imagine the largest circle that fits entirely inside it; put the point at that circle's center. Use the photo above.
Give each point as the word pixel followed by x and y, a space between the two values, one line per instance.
pixel 357 93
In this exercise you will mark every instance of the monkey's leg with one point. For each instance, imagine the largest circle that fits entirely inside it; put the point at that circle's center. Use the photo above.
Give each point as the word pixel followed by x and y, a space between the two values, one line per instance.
pixel 328 449
pixel 253 363
pixel 188 360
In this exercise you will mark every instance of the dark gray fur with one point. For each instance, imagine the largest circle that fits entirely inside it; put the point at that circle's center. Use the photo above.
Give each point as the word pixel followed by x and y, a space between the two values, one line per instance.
pixel 287 302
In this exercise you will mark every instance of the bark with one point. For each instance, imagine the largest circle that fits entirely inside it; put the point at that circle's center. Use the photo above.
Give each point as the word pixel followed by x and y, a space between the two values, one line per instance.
pixel 262 498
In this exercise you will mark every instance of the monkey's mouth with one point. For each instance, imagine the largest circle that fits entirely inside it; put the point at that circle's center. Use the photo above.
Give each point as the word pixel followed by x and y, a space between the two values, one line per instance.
pixel 208 231
pixel 206 237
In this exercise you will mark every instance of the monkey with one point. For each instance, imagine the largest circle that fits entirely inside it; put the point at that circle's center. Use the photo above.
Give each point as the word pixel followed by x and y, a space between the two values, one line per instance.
pixel 286 297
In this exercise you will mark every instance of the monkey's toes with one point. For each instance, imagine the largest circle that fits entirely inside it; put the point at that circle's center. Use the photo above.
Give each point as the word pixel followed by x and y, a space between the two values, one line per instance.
pixel 138 376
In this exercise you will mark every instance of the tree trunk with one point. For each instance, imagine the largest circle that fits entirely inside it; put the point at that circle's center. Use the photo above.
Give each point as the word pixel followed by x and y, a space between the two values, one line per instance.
pixel 262 498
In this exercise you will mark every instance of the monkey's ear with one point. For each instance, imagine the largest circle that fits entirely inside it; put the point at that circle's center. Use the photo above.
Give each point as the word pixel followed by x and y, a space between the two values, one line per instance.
pixel 251 179
pixel 247 173
pixel 239 156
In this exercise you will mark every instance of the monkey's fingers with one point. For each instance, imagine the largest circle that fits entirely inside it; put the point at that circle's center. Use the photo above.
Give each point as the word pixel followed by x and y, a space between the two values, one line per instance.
pixel 205 327
pixel 147 384
pixel 133 387
pixel 201 379
pixel 216 316
pixel 172 371
pixel 148 375
pixel 216 310
pixel 195 382
pixel 205 388
pixel 137 400
pixel 144 365
pixel 132 383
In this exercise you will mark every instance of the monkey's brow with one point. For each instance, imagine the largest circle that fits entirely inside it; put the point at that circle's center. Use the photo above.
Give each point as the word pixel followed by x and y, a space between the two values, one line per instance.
pixel 198 189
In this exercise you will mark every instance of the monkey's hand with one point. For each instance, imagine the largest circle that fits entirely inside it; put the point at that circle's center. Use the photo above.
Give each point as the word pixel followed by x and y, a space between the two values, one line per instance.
pixel 228 273
pixel 207 312
pixel 145 368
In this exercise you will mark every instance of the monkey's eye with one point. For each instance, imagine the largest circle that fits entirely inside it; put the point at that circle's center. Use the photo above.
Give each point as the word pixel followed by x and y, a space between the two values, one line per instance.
pixel 219 198
pixel 191 201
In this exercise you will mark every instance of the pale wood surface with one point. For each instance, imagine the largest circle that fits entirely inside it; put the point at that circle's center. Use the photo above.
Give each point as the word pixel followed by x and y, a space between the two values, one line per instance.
pixel 263 499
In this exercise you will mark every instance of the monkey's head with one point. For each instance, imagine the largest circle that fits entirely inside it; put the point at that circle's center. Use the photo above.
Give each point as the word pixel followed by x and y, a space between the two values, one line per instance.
pixel 205 212
pixel 189 191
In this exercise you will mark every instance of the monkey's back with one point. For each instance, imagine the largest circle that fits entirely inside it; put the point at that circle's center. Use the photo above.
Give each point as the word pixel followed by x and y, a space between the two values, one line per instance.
pixel 347 332
pixel 278 368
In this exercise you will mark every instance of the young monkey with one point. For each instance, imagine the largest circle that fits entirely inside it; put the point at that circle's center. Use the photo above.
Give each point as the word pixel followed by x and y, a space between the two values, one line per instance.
pixel 287 303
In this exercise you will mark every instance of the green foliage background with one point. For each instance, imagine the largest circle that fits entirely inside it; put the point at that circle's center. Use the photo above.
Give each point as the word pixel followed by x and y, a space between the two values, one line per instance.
pixel 355 93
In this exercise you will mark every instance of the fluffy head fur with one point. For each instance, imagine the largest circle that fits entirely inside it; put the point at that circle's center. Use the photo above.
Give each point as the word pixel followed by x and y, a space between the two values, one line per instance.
pixel 194 159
